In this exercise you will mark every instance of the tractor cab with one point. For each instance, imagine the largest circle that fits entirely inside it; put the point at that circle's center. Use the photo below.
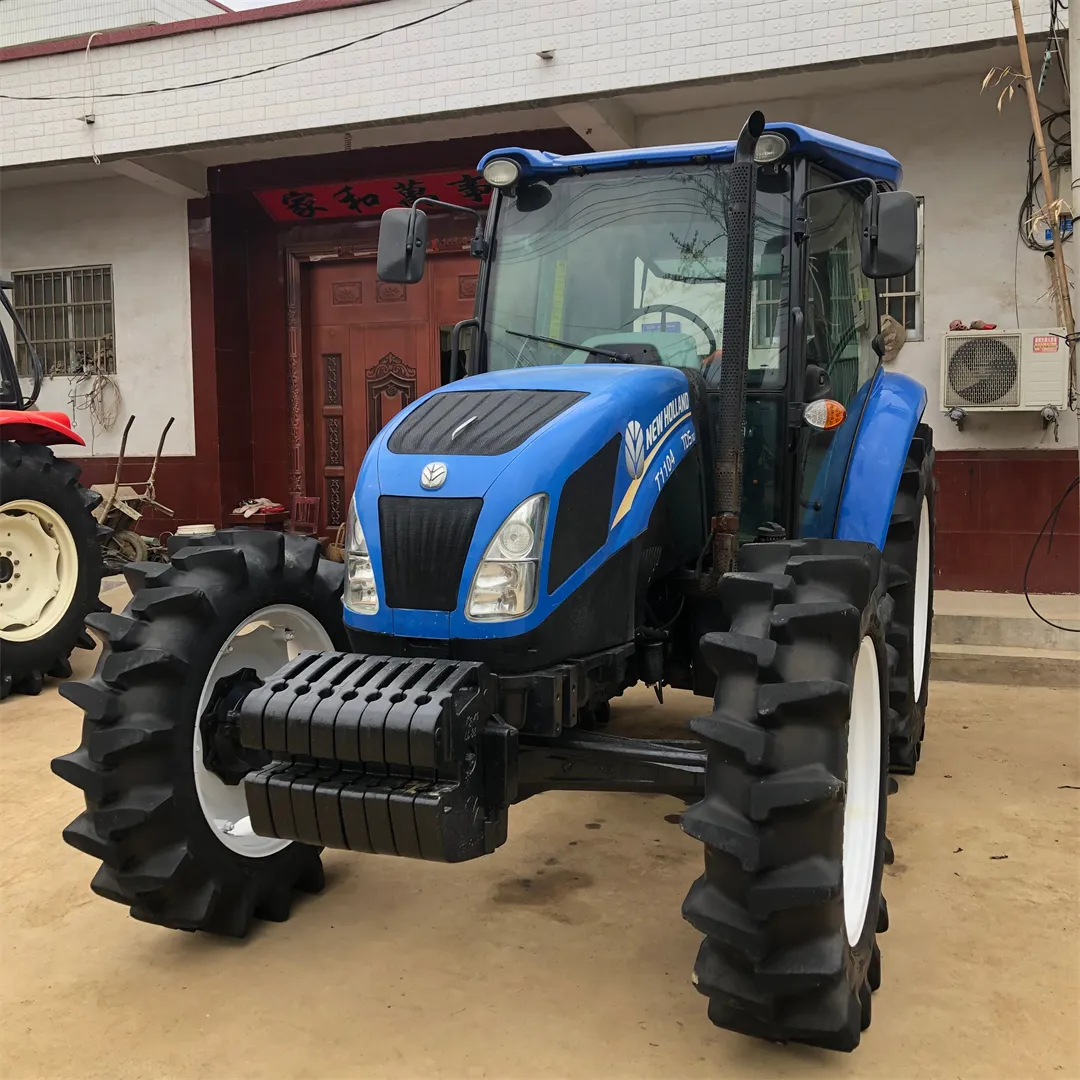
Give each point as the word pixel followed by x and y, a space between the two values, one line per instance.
pixel 654 329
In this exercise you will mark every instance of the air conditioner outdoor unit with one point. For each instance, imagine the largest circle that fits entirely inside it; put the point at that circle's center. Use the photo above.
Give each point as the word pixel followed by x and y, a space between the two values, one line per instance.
pixel 1004 370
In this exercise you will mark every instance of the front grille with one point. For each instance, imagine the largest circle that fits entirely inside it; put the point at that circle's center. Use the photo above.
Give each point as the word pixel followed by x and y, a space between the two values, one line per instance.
pixel 479 423
pixel 425 542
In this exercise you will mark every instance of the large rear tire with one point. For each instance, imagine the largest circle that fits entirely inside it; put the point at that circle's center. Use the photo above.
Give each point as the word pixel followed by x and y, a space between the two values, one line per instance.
pixel 909 558
pixel 165 822
pixel 793 818
pixel 50 565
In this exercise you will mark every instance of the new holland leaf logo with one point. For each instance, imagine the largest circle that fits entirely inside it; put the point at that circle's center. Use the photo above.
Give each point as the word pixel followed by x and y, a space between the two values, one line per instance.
pixel 433 475
pixel 634 449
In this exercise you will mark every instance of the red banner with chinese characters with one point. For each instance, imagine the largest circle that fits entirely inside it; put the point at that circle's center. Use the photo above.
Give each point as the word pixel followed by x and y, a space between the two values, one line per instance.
pixel 369 198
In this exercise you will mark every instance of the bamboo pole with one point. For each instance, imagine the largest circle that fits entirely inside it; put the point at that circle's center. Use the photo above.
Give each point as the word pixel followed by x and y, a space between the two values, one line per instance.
pixel 1048 185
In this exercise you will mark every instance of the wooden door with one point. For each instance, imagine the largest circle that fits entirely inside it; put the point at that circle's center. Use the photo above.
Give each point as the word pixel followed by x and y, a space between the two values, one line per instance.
pixel 376 347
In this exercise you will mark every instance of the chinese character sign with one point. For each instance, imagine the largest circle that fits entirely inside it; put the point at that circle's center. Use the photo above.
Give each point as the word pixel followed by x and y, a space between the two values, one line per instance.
pixel 369 198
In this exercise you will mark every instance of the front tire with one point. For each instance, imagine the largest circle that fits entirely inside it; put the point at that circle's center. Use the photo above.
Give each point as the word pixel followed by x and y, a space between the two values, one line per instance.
pixel 165 826
pixel 45 515
pixel 793 818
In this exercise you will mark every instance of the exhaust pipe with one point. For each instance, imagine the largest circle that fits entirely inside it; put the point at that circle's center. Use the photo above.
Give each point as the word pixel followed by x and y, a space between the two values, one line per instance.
pixel 731 385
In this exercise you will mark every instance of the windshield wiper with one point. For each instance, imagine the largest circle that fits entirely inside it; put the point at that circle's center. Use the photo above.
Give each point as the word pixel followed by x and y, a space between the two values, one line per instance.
pixel 618 357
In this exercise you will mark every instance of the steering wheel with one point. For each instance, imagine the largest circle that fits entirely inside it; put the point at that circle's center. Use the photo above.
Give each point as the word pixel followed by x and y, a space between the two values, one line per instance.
pixel 697 320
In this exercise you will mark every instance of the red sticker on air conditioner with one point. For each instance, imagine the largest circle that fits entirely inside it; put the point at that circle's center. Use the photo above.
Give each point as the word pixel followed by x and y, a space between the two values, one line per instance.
pixel 1044 343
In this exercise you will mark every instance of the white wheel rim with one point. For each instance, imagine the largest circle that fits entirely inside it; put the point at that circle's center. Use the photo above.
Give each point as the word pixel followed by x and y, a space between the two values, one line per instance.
pixel 264 641
pixel 863 794
pixel 921 630
pixel 39 568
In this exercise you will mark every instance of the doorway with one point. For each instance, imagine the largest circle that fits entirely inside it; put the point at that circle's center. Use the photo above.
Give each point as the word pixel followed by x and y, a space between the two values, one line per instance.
pixel 375 348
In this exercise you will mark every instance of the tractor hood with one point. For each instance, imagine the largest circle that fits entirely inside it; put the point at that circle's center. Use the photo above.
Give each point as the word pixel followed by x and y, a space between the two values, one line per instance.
pixel 439 481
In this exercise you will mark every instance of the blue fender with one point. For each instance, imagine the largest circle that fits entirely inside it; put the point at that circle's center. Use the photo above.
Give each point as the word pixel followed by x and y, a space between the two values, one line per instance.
pixel 893 410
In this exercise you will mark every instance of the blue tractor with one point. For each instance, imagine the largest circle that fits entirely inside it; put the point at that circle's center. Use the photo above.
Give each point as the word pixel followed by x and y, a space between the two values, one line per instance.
pixel 669 454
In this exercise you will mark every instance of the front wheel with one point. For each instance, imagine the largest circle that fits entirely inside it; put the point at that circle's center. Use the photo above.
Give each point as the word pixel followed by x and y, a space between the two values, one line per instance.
pixel 793 819
pixel 165 809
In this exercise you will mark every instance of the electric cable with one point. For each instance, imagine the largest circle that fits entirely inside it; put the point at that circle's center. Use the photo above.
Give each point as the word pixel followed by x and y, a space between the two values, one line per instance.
pixel 1059 156
pixel 1051 522
pixel 242 74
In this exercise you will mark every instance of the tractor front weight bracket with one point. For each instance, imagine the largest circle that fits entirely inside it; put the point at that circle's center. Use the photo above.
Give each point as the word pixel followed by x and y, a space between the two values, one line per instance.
pixel 393 756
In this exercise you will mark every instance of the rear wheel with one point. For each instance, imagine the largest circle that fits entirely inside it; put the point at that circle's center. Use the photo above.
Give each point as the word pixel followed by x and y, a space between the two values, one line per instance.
pixel 909 557
pixel 793 818
pixel 165 808
pixel 50 565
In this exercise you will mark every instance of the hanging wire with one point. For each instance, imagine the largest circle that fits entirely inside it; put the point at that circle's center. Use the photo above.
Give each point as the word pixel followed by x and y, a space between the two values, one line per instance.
pixel 112 95
pixel 88 110
pixel 1058 137
pixel 1051 523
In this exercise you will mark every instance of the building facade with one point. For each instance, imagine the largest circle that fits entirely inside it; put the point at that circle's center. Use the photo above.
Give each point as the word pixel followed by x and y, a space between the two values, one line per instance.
pixel 210 242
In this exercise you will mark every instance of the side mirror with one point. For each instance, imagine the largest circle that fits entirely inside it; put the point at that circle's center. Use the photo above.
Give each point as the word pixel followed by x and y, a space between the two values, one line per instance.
pixel 402 246
pixel 890 234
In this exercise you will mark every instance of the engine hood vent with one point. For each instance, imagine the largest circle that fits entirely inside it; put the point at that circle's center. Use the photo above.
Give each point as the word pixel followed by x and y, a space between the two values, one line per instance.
pixel 478 423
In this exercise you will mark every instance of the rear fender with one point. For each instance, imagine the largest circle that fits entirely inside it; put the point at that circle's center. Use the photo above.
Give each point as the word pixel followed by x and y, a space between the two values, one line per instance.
pixel 43 428
pixel 893 410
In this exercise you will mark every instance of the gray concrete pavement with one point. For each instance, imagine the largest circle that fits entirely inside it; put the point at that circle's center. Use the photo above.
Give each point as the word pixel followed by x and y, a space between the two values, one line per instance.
pixel 562 955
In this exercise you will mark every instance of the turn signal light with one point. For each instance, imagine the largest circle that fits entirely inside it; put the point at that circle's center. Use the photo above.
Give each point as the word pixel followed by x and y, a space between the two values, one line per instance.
pixel 825 414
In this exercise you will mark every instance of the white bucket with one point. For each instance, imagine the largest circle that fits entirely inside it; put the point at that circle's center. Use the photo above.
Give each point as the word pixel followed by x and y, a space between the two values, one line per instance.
pixel 195 530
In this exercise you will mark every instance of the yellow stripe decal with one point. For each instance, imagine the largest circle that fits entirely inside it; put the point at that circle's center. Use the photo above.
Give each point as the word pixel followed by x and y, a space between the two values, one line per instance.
pixel 632 490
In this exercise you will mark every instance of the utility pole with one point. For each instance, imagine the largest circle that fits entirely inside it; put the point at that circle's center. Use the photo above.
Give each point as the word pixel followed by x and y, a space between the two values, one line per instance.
pixel 1061 276
pixel 1074 111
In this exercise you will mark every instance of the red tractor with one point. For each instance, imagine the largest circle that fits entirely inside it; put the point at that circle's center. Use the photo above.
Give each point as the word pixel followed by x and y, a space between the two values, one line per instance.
pixel 50 549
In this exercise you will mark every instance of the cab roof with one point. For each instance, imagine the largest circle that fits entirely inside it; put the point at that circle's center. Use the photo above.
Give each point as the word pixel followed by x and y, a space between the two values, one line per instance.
pixel 849 160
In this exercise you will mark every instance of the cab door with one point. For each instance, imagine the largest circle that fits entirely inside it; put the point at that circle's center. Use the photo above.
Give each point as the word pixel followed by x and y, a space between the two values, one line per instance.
pixel 839 324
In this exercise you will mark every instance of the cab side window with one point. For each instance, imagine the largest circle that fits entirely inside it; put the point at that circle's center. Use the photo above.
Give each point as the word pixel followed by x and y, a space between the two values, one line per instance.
pixel 840 315
pixel 839 297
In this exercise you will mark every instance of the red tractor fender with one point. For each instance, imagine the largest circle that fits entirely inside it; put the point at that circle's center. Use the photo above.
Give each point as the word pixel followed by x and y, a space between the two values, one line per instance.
pixel 44 428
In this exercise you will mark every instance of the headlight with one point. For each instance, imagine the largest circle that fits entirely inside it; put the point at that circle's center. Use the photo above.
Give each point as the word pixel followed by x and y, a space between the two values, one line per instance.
pixel 771 146
pixel 502 172
pixel 508 576
pixel 361 595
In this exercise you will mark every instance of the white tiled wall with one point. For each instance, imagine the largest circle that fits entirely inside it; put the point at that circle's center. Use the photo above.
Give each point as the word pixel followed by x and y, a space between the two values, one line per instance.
pixel 480 56
pixel 23 21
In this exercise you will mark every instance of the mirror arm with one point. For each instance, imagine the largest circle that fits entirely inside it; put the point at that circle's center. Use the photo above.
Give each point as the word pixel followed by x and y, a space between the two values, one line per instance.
pixel 872 226
pixel 478 245
pixel 802 227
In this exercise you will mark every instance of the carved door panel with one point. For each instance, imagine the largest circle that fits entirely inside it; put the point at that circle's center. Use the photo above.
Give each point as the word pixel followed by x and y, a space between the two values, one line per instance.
pixel 330 345
pixel 374 349
pixel 391 366
pixel 453 279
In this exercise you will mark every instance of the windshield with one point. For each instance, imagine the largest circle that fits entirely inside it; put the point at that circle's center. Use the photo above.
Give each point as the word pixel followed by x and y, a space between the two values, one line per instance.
pixel 631 264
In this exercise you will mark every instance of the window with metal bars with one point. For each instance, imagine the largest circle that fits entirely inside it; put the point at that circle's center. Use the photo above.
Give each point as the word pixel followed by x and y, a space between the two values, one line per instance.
pixel 68 316
pixel 902 297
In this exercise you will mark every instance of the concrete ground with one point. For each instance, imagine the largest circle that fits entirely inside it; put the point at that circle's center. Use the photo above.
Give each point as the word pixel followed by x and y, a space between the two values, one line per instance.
pixel 563 954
